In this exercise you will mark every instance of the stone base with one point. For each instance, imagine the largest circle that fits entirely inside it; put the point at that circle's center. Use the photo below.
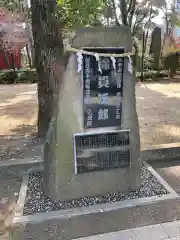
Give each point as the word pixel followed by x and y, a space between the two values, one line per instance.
pixel 97 219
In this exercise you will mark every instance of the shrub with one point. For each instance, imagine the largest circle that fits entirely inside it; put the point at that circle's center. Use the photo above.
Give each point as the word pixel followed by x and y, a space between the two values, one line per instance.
pixel 18 76
pixel 153 75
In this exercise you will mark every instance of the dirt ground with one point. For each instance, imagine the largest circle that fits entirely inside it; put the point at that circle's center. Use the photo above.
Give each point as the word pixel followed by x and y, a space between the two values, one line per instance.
pixel 18 114
pixel 9 189
pixel 157 105
pixel 18 118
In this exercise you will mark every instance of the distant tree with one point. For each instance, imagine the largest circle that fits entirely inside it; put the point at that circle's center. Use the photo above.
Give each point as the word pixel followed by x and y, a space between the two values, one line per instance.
pixel 138 16
pixel 155 47
pixel 13 14
pixel 78 13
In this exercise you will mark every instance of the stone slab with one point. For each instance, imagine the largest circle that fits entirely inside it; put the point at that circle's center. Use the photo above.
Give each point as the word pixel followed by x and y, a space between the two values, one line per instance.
pixel 174 238
pixel 98 219
pixel 172 228
pixel 103 37
pixel 18 168
pixel 88 225
pixel 161 154
pixel 164 231
pixel 125 235
pixel 61 181
pixel 155 232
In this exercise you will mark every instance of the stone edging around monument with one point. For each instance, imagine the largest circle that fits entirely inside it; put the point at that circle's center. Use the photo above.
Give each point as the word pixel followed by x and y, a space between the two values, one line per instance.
pixel 161 153
pixel 18 167
pixel 69 213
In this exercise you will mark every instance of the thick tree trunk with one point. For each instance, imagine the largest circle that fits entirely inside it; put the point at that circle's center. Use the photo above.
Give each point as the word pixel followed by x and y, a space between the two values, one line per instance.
pixel 48 43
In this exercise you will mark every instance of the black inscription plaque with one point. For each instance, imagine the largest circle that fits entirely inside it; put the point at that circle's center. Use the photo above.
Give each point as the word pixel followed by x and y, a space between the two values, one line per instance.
pixel 102 89
pixel 101 151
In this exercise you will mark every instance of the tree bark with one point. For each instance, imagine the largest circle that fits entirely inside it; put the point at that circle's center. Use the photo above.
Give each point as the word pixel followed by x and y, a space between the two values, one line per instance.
pixel 115 13
pixel 29 57
pixel 124 12
pixel 142 57
pixel 48 44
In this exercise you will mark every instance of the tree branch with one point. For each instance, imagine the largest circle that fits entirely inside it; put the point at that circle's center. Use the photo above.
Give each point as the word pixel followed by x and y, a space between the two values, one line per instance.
pixel 148 26
pixel 115 13
pixel 130 5
pixel 124 12
pixel 131 11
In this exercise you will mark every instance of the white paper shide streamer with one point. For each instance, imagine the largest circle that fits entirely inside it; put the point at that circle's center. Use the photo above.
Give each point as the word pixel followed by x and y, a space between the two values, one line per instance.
pixel 97 59
pixel 79 60
pixel 130 68
pixel 113 62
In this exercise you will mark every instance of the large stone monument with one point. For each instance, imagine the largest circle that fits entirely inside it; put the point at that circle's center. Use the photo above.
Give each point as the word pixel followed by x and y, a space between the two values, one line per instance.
pixel 93 144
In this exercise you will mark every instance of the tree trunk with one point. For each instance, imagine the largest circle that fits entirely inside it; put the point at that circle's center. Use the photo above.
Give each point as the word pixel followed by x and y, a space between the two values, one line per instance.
pixel 29 57
pixel 124 13
pixel 155 46
pixel 48 44
pixel 142 57
pixel 5 57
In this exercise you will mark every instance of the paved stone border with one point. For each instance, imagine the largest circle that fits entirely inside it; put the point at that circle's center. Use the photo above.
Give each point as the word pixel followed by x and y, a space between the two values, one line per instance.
pixel 164 152
pixel 22 196
pixel 161 180
pixel 62 214
pixel 93 220
pixel 165 231
pixel 18 167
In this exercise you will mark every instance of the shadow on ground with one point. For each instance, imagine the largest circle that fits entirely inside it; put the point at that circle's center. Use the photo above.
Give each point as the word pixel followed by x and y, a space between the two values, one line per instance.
pixel 20 106
pixel 169 171
pixel 23 143
pixel 9 190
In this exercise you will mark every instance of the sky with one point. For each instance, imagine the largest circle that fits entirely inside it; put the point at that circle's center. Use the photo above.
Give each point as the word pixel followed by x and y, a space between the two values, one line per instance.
pixel 159 19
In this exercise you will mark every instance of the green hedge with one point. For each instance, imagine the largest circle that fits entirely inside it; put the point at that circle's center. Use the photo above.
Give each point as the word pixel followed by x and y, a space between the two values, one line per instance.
pixel 30 76
pixel 18 76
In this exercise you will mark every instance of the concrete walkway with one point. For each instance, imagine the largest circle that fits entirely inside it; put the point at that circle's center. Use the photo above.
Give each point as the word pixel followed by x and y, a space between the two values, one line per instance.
pixel 165 231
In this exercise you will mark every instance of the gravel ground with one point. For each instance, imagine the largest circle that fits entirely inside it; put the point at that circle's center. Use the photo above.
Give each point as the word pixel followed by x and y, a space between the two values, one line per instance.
pixel 37 202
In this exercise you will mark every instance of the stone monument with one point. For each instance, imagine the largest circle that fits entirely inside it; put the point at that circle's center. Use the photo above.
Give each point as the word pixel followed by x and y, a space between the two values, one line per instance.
pixel 93 144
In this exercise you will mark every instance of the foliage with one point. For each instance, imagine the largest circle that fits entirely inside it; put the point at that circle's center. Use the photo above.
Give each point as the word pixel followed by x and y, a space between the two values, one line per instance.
pixel 148 62
pixel 18 76
pixel 13 35
pixel 79 12
pixel 152 75
pixel 155 47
